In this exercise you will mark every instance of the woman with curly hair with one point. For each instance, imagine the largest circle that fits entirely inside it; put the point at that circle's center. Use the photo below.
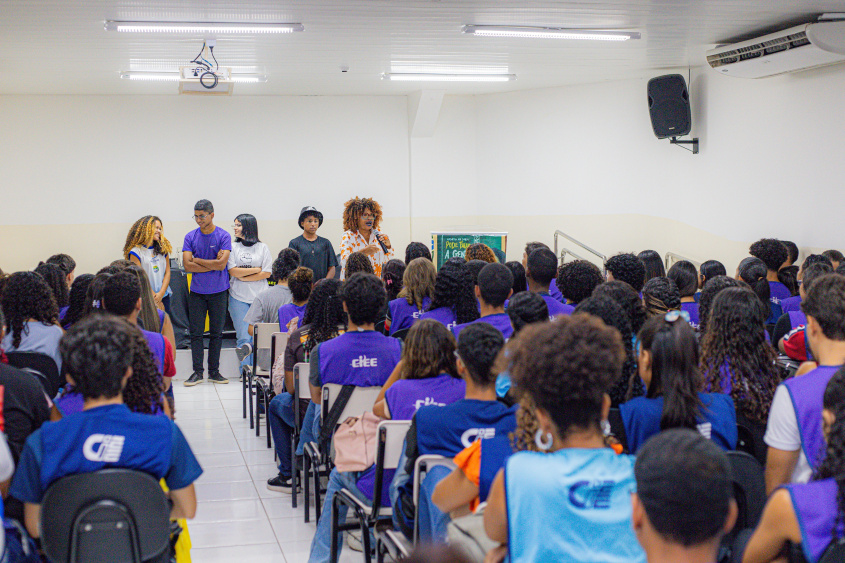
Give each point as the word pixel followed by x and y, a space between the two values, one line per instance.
pixel 393 275
pixel 811 514
pixel 32 317
pixel 576 280
pixel 147 247
pixel 361 218
pixel 292 314
pixel 668 365
pixel 415 297
pixel 627 268
pixel 708 293
pixel 542 505
pixel 77 300
pixel 56 279
pixel 480 251
pixel 454 299
pixel 628 299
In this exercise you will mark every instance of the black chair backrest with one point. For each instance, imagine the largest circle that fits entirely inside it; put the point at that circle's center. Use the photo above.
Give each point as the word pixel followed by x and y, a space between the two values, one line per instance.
pixel 109 515
pixel 43 364
pixel 749 488
pixel 750 438
pixel 835 552
pixel 401 333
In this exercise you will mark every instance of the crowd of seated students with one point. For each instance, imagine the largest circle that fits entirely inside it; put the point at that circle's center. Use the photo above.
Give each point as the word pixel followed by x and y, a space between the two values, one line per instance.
pixel 542 397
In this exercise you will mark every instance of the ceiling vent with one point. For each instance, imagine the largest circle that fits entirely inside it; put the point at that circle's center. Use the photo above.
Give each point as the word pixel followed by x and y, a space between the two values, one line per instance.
pixel 798 48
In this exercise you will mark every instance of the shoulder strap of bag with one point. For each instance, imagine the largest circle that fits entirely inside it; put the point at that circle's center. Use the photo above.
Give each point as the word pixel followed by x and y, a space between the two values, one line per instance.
pixel 328 425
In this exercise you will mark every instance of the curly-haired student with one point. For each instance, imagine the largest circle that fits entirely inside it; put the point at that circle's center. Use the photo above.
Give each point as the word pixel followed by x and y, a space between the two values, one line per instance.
pixel 147 247
pixel 454 299
pixel 627 268
pixel 32 317
pixel 361 219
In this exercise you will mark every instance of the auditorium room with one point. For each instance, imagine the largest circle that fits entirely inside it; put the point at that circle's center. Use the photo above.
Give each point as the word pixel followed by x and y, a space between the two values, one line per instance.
pixel 441 281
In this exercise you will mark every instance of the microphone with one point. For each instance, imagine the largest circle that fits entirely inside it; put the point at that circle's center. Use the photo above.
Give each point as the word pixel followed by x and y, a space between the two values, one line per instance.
pixel 383 246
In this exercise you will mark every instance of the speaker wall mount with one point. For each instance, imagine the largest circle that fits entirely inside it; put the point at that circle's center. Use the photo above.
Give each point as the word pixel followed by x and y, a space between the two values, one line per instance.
pixel 669 109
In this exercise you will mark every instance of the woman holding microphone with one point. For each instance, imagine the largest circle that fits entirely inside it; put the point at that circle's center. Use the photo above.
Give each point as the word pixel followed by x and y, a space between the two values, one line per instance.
pixel 361 218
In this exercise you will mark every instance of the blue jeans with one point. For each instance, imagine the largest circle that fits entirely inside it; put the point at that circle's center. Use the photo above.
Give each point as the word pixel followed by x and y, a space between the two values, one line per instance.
pixel 321 545
pixel 433 522
pixel 237 310
pixel 281 426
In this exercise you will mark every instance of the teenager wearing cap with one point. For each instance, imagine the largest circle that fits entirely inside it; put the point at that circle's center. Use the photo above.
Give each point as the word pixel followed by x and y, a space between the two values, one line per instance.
pixel 315 252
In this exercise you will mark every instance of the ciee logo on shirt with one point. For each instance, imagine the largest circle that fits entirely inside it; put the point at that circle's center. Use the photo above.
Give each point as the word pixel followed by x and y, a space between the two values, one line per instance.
pixel 365 362
pixel 103 447
pixel 473 434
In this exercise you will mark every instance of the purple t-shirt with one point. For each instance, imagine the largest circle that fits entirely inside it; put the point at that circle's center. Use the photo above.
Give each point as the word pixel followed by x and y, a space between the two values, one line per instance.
pixel 816 509
pixel 403 315
pixel 288 312
pixel 791 304
pixel 807 393
pixel 444 315
pixel 500 321
pixel 407 395
pixel 779 292
pixel 692 309
pixel 363 358
pixel 556 308
pixel 206 247
pixel 555 292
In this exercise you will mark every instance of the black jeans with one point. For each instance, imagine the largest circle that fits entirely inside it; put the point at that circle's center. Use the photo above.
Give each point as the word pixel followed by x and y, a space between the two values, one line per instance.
pixel 215 305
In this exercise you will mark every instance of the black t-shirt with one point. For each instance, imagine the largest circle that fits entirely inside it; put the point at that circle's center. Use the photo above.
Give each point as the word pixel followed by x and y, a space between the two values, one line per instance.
pixel 318 255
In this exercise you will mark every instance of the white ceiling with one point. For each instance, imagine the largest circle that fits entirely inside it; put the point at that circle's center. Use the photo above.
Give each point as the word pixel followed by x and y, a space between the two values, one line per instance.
pixel 60 47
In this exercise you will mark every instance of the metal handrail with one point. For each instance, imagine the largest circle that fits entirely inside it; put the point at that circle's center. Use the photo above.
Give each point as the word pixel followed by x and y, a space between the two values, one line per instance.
pixel 565 251
pixel 676 257
pixel 581 244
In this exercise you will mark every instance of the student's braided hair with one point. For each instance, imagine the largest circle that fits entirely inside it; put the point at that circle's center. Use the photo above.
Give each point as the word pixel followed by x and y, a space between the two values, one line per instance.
pixel 833 466
pixel 660 295
pixel 526 308
pixel 323 314
pixel 77 300
pixel 355 207
pixel 141 234
pixel 735 346
pixel 27 296
pixel 56 279
pixel 454 288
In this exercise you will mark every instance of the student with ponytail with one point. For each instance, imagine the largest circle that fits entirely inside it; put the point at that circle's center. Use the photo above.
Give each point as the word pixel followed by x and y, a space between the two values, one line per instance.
pixel 660 295
pixel 685 276
pixel 753 271
pixel 810 514
pixel 668 365
pixel 147 247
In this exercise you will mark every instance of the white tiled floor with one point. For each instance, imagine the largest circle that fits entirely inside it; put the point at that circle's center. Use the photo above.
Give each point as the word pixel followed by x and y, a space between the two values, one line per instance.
pixel 238 519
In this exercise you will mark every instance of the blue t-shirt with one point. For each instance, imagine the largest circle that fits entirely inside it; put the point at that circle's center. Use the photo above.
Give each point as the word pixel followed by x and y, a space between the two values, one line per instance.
pixel 101 438
pixel 500 321
pixel 288 312
pixel 641 417
pixel 206 247
pixel 364 358
pixel 402 315
pixel 448 430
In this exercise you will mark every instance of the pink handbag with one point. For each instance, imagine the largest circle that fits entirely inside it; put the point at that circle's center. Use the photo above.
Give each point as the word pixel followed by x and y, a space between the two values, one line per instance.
pixel 355 442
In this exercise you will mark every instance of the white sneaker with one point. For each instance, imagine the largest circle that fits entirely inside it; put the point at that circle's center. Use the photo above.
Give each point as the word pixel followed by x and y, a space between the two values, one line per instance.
pixel 353 540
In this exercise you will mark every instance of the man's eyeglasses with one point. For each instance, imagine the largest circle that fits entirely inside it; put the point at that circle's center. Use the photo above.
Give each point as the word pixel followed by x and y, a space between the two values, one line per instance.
pixel 200 217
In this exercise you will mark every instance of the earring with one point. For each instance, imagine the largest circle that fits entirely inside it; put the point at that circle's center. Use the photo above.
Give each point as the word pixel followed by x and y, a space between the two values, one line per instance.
pixel 605 427
pixel 544 442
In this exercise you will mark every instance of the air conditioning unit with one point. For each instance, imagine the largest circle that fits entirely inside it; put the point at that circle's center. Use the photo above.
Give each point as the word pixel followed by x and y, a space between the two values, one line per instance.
pixel 798 48
pixel 198 81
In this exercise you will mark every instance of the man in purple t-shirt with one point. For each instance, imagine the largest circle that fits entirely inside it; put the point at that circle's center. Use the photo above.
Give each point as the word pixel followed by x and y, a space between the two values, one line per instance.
pixel 205 254
pixel 495 285
pixel 540 271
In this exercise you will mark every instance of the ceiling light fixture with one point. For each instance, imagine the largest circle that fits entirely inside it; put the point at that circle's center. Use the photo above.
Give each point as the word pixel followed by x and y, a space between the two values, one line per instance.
pixel 435 77
pixel 174 76
pixel 549 32
pixel 201 27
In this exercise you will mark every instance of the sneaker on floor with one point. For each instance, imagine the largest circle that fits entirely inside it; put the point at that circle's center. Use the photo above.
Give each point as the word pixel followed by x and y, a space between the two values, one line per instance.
pixel 215 377
pixel 195 378
pixel 280 484
pixel 243 351
pixel 353 540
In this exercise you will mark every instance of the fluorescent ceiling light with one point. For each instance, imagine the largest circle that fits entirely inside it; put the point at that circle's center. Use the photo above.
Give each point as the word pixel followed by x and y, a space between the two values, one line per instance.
pixel 199 27
pixel 435 77
pixel 174 76
pixel 549 32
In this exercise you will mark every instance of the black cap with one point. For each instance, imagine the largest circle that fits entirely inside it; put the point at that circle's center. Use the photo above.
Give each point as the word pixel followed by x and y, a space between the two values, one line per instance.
pixel 310 210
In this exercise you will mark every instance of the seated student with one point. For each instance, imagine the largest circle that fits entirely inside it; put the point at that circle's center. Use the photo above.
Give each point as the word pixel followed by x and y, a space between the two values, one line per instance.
pixel 361 356
pixel 76 300
pixel 793 433
pixel 834 256
pixel 540 271
pixel 792 253
pixel 415 296
pixel 493 289
pixel 291 314
pixel 57 281
pixel 661 295
pixel 684 501
pixel 709 269
pixel 753 271
pixel 454 295
pixel 324 319
pixel 789 341
pixel 358 262
pixel 809 514
pixel 627 268
pixel 449 429
pixel 574 498
pixel 628 299
pixel 653 264
pixel 475 267
pixel 32 317
pixel 392 275
pixel 576 280
pixel 529 248
pixel 775 256
pixel 426 375
pixel 628 385
pixel 519 281
pixel 480 251
pixel 122 297
pixel 97 356
pixel 685 276
pixel 713 286
pixel 66 264
pixel 416 250
pixel 794 303
pixel 668 365
pixel 523 309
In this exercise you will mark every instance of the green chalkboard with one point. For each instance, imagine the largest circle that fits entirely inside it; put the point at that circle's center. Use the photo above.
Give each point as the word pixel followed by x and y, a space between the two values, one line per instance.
pixel 448 245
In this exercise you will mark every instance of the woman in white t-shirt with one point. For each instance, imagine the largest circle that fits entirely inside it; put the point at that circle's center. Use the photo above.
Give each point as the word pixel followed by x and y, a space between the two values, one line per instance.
pixel 250 264
pixel 147 247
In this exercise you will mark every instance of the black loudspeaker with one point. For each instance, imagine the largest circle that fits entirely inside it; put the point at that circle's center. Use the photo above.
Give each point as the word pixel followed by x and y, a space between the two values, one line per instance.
pixel 668 105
